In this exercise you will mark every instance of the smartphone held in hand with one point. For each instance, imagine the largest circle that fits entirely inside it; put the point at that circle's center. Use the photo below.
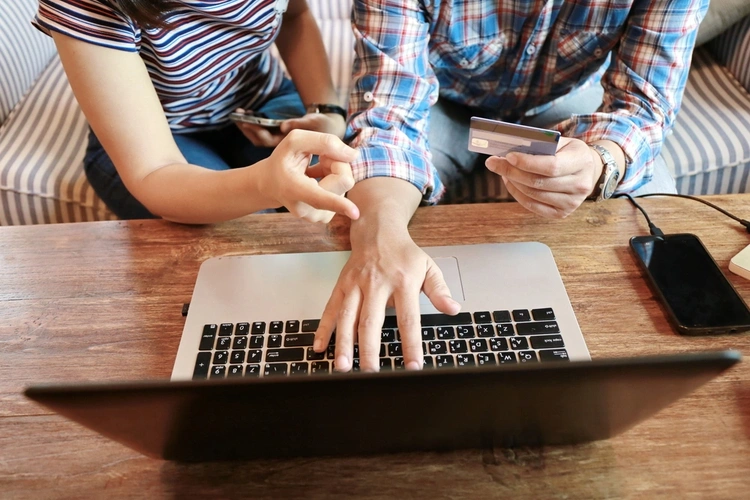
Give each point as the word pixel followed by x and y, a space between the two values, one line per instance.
pixel 695 293
pixel 256 119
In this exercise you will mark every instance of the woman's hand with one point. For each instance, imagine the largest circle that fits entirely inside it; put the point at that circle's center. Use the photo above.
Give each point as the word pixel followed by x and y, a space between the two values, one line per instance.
pixel 287 180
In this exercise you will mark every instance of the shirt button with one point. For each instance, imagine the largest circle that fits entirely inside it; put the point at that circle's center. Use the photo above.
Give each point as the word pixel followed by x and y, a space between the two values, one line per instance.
pixel 598 52
pixel 368 96
pixel 530 50
pixel 464 63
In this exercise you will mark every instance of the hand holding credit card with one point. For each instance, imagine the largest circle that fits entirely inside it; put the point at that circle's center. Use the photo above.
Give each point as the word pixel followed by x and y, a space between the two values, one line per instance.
pixel 496 138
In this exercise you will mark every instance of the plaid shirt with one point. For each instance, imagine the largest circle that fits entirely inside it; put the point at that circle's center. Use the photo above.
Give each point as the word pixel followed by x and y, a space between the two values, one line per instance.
pixel 508 57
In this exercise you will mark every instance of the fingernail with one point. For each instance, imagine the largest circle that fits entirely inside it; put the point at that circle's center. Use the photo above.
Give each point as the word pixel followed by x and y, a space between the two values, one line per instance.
pixel 412 365
pixel 317 345
pixel 341 363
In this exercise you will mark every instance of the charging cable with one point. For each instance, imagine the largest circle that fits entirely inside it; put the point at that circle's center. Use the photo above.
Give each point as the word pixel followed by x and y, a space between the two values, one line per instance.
pixel 655 231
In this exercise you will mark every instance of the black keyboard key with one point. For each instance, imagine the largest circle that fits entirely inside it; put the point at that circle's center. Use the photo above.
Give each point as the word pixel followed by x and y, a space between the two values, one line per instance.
pixel 252 371
pixel 446 332
pixel 394 349
pixel 242 329
pixel 537 328
pixel 499 344
pixel 259 328
pixel 553 355
pixel 202 364
pixel 518 343
pixel 385 364
pixel 293 354
pixel 276 327
pixel 234 371
pixel 458 346
pixel 314 356
pixel 547 342
pixel 444 362
pixel 292 326
pixel 479 345
pixel 428 333
pixel 428 362
pixel 527 357
pixel 220 357
pixel 226 329
pixel 224 342
pixel 465 360
pixel 467 331
pixel 237 357
pixel 208 337
pixel 463 318
pixel 486 358
pixel 545 314
pixel 310 325
pixel 254 356
pixel 240 343
pixel 355 365
pixel 300 368
pixel 521 315
pixel 398 363
pixel 437 347
pixel 485 331
pixel 274 341
pixel 482 317
pixel 331 352
pixel 505 329
pixel 256 341
pixel 272 369
pixel 299 340
pixel 501 316
pixel 388 335
pixel 317 367
pixel 506 357
pixel 218 371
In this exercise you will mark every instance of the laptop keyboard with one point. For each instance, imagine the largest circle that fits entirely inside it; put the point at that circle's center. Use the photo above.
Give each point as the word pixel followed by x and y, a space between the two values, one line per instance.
pixel 260 349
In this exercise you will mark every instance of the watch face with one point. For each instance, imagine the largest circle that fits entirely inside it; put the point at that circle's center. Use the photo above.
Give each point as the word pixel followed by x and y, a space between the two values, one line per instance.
pixel 610 185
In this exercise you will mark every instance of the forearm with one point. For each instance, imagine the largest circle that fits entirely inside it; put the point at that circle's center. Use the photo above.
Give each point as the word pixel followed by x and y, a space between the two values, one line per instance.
pixel 386 206
pixel 215 196
pixel 302 50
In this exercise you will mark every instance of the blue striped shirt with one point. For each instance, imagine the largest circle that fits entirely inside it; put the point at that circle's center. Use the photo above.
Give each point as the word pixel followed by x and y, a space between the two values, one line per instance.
pixel 212 59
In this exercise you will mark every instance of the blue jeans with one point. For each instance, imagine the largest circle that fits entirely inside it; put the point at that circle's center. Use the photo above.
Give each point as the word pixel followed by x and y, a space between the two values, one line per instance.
pixel 215 149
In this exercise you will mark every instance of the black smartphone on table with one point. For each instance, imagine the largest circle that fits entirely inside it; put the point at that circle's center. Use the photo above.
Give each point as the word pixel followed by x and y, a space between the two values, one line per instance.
pixel 697 296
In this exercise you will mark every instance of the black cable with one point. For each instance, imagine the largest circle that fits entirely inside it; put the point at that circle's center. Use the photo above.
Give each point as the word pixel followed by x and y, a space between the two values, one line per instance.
pixel 744 222
pixel 655 231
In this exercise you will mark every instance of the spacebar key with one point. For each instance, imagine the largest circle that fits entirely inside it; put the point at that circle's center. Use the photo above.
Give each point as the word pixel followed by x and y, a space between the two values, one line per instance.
pixel 294 354
pixel 463 318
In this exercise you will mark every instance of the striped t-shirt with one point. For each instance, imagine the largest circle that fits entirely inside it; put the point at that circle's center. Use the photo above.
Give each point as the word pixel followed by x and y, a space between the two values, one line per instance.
pixel 212 58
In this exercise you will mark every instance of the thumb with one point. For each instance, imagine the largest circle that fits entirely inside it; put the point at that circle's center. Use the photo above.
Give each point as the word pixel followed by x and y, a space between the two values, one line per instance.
pixel 438 292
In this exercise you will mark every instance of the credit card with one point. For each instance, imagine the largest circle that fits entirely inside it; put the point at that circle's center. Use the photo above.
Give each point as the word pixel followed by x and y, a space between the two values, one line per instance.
pixel 496 138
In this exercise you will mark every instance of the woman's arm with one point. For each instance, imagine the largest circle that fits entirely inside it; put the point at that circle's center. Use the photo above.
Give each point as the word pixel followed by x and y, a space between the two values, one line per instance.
pixel 116 94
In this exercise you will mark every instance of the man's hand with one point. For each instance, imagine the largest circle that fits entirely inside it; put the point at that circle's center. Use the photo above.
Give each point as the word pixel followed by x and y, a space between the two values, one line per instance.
pixel 386 268
pixel 551 186
pixel 287 181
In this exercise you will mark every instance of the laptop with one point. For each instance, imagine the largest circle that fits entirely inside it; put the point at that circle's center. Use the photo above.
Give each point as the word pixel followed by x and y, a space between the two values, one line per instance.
pixel 511 369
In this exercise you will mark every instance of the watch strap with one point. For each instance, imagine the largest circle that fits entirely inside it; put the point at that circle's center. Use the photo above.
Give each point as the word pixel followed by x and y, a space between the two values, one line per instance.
pixel 326 108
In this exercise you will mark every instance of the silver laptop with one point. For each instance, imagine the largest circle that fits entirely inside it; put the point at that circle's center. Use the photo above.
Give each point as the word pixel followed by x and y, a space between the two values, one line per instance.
pixel 255 315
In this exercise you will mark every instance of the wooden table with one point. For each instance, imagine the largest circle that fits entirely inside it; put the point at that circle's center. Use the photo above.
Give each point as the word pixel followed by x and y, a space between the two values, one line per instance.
pixel 102 301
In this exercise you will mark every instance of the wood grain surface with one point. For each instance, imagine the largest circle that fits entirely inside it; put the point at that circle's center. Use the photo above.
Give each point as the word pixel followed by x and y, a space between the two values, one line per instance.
pixel 102 301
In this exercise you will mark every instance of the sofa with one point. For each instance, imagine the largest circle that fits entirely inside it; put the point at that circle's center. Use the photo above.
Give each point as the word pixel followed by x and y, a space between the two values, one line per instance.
pixel 43 133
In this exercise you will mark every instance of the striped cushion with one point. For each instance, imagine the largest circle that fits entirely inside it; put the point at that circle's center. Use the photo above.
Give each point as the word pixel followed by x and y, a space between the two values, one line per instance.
pixel 24 52
pixel 732 49
pixel 41 155
pixel 708 151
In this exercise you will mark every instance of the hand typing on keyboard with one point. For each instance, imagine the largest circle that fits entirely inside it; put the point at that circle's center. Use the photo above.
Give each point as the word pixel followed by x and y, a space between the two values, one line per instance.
pixel 386 268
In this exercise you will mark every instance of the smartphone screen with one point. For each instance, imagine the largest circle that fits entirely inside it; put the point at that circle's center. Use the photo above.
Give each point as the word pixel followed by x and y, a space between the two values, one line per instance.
pixel 698 297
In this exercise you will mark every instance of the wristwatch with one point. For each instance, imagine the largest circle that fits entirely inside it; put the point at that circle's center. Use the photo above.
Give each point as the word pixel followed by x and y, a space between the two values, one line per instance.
pixel 607 183
pixel 326 108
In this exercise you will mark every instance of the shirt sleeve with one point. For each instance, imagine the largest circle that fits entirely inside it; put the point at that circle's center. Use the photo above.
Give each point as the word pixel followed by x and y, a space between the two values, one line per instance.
pixel 643 85
pixel 393 89
pixel 92 21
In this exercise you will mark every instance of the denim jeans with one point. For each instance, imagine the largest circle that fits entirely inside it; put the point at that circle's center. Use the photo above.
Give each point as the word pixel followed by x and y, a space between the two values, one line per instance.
pixel 215 149
pixel 449 136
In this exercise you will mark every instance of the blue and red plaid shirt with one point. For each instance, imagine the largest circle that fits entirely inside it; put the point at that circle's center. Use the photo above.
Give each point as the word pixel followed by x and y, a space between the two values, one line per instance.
pixel 508 57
